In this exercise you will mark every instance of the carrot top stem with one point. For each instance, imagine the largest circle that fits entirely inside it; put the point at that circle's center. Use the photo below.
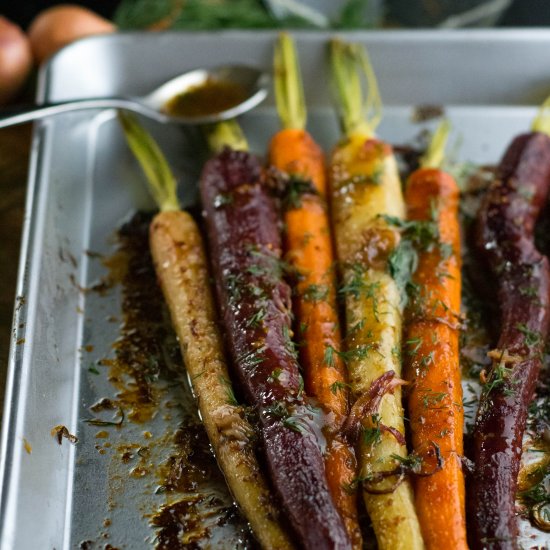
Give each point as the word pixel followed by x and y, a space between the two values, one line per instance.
pixel 161 180
pixel 542 120
pixel 351 69
pixel 289 90
pixel 225 134
pixel 435 154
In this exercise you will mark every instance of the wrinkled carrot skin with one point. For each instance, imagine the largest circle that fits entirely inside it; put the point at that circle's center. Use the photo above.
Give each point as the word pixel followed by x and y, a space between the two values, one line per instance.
pixel 309 251
pixel 432 363
pixel 181 266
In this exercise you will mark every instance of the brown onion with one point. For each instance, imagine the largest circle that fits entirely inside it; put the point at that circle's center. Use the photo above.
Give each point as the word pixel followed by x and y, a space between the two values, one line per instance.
pixel 15 59
pixel 60 25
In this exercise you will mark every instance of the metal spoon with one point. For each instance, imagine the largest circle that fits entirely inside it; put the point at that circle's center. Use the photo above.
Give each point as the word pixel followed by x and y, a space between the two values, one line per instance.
pixel 253 82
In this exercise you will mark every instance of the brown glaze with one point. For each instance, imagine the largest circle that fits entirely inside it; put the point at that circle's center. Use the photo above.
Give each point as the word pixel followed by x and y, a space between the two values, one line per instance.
pixel 145 339
pixel 193 464
pixel 179 523
pixel 244 237
pixel 505 240
pixel 208 98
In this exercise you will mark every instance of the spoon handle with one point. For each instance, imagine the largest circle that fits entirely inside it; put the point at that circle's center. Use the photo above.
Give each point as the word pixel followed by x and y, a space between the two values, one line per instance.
pixel 19 115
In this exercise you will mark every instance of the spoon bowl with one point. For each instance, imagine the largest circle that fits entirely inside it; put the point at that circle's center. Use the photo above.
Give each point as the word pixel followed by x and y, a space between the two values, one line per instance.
pixel 252 83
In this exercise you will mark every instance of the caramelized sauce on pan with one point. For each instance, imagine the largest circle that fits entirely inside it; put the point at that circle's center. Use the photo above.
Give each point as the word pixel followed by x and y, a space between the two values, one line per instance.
pixel 198 508
pixel 145 342
pixel 193 464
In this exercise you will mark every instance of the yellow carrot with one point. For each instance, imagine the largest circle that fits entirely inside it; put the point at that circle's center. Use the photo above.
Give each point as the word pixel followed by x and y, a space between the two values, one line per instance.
pixel 365 190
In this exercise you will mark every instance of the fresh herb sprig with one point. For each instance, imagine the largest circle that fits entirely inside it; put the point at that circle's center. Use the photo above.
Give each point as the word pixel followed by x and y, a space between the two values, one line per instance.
pixel 416 236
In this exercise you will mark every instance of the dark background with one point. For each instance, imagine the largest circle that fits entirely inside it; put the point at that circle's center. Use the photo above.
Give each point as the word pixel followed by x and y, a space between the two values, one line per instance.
pixel 23 11
pixel 522 13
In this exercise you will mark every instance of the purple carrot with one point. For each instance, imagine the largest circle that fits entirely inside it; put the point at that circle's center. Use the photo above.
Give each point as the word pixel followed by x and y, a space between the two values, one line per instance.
pixel 505 239
pixel 244 238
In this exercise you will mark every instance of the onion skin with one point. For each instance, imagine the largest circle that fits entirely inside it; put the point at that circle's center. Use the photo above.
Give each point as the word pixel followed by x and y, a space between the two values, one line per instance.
pixel 60 25
pixel 15 59
pixel 504 238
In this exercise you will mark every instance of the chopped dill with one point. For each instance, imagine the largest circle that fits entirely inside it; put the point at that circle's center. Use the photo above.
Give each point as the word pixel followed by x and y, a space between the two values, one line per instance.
pixel 412 461
pixel 356 286
pixel 252 358
pixel 276 374
pixel 414 345
pixel 92 369
pixel 328 357
pixel 231 399
pixel 360 352
pixel 499 378
pixel 337 386
pixel 296 188
pixel 532 338
pixel 292 424
pixel 256 320
pixel 431 399
pixel 315 293
pixel 373 436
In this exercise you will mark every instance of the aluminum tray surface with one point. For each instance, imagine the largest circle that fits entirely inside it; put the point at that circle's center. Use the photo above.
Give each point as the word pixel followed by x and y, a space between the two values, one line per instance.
pixel 83 183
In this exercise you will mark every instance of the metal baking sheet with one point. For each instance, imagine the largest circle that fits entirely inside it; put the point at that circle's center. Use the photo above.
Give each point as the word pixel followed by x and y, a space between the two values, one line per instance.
pixel 83 183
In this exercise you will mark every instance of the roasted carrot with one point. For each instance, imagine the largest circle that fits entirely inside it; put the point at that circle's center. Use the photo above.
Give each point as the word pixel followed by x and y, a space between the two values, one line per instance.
pixel 308 249
pixel 244 237
pixel 365 190
pixel 431 350
pixel 505 242
pixel 181 266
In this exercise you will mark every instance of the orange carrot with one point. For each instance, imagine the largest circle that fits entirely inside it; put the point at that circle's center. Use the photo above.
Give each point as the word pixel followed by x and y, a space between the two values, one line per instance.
pixel 432 360
pixel 309 251
pixel 294 151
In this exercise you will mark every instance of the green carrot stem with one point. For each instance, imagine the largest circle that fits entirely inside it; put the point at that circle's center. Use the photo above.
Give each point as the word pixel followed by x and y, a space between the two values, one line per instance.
pixel 162 183
pixel 435 154
pixel 289 91
pixel 350 65
pixel 225 134
pixel 542 120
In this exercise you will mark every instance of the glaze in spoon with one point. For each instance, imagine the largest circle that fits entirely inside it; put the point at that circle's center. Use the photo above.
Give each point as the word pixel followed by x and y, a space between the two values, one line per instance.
pixel 200 96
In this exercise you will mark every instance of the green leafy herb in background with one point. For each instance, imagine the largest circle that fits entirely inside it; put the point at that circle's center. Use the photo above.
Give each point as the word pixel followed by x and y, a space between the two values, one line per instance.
pixel 222 14
pixel 140 14
pixel 352 15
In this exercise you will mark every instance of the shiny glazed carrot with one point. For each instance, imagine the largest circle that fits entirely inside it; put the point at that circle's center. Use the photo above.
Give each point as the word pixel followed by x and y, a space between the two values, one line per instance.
pixel 365 193
pixel 309 251
pixel 431 355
